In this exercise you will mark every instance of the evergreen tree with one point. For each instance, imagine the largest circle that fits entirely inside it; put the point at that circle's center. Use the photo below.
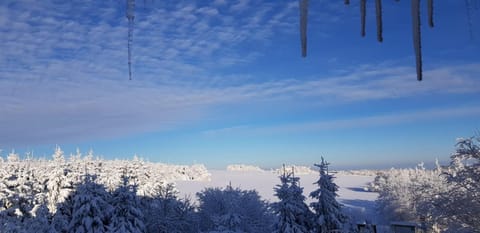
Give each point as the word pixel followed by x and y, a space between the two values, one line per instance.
pixel 165 213
pixel 327 211
pixel 40 221
pixel 60 181
pixel 91 211
pixel 293 214
pixel 127 216
pixel 58 155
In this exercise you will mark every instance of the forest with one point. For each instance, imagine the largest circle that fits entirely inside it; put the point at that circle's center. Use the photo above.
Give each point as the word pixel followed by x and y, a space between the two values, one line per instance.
pixel 87 194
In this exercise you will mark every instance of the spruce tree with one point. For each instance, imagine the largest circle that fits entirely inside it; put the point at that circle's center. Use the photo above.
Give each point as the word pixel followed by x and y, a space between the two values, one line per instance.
pixel 328 213
pixel 292 212
pixel 127 216
pixel 91 211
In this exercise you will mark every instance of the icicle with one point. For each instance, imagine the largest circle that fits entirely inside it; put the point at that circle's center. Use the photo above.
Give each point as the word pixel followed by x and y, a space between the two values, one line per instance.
pixel 469 7
pixel 347 2
pixel 378 10
pixel 130 16
pixel 430 13
pixel 303 5
pixel 417 37
pixel 363 9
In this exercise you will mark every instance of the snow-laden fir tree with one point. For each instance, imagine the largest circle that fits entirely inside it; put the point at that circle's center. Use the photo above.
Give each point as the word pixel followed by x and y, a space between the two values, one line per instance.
pixel 292 213
pixel 60 180
pixel 58 156
pixel 328 213
pixel 166 213
pixel 127 215
pixel 40 221
pixel 91 211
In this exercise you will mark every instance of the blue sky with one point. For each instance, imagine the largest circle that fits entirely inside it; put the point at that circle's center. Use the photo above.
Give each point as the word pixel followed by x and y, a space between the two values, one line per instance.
pixel 221 82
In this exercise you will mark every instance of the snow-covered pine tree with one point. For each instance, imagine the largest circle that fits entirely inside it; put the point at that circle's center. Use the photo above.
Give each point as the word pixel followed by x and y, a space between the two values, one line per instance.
pixel 40 221
pixel 91 211
pixel 59 186
pixel 127 215
pixel 328 213
pixel 60 181
pixel 63 215
pixel 58 156
pixel 164 212
pixel 293 214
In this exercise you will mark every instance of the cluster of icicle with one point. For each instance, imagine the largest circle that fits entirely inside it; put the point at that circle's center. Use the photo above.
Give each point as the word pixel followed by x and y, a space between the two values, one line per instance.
pixel 378 11
pixel 130 13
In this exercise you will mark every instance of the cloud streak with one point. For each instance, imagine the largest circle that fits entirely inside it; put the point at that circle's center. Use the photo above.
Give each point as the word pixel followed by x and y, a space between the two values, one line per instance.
pixel 351 123
pixel 109 108
pixel 63 73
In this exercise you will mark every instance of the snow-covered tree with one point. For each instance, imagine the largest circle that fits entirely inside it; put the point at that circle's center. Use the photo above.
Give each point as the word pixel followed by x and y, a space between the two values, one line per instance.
pixel 233 210
pixel 91 211
pixel 293 214
pixel 13 157
pixel 328 212
pixel 165 213
pixel 40 221
pixel 460 205
pixel 127 215
pixel 410 194
pixel 59 185
pixel 58 155
pixel 63 215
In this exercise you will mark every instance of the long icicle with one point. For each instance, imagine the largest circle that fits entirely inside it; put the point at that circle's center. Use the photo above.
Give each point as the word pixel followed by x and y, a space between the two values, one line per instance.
pixel 130 16
pixel 469 7
pixel 363 11
pixel 417 37
pixel 430 13
pixel 378 10
pixel 303 5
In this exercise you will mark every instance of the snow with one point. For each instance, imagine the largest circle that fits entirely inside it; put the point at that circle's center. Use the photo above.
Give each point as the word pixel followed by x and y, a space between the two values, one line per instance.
pixel 351 187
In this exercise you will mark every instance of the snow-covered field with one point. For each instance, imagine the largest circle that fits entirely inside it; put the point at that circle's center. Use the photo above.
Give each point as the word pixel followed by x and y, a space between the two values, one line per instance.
pixel 351 193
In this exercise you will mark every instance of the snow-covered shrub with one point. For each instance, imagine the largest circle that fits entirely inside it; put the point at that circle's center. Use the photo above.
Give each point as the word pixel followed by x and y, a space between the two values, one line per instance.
pixel 296 169
pixel 233 210
pixel 409 194
pixel 459 206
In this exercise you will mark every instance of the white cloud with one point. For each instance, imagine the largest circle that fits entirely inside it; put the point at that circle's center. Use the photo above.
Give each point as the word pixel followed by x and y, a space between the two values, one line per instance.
pixel 64 77
pixel 43 110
